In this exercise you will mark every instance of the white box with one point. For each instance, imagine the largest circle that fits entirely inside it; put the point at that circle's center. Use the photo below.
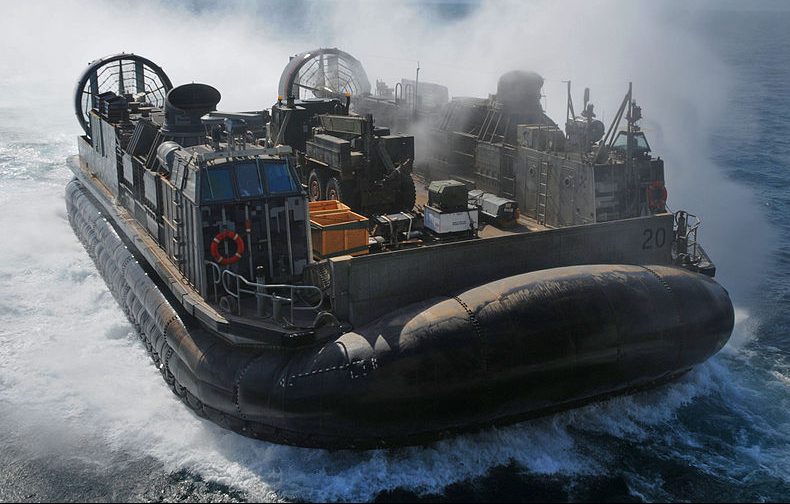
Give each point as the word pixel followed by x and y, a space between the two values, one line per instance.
pixel 450 222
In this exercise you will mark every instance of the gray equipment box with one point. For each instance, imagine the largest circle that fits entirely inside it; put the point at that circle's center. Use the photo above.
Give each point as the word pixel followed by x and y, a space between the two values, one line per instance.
pixel 494 208
pixel 448 195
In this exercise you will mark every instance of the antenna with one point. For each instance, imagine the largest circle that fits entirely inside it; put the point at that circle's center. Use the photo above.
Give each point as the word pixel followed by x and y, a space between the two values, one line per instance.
pixel 416 91
pixel 634 113
pixel 121 87
pixel 569 113
pixel 608 140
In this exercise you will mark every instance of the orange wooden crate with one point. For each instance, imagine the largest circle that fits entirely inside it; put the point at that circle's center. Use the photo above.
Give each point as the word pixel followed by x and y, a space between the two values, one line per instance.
pixel 339 233
pixel 326 206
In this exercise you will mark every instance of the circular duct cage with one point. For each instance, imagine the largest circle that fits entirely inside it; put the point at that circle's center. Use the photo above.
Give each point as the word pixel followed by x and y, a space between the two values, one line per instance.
pixel 323 73
pixel 123 74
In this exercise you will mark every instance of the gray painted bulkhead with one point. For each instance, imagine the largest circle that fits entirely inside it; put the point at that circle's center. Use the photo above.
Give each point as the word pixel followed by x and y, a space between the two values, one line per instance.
pixel 152 200
pixel 367 287
pixel 556 189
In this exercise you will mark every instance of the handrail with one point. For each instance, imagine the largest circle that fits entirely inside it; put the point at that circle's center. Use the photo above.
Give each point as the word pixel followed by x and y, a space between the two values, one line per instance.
pixel 216 277
pixel 687 226
pixel 260 291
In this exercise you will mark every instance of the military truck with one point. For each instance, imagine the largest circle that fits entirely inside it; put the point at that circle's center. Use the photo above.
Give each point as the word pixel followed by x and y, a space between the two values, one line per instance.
pixel 344 156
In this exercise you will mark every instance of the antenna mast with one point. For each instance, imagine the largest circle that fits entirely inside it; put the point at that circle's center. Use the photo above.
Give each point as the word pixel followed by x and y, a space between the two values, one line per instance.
pixel 416 89
pixel 569 112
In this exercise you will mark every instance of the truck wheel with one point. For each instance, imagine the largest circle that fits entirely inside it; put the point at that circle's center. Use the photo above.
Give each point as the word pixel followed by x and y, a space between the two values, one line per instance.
pixel 408 194
pixel 334 190
pixel 316 185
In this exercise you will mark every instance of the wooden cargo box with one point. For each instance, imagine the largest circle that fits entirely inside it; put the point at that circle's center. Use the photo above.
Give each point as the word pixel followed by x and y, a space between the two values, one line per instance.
pixel 339 233
pixel 326 206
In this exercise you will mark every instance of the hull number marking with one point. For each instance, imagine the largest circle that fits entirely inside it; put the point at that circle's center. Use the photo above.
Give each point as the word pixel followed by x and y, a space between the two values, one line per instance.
pixel 654 239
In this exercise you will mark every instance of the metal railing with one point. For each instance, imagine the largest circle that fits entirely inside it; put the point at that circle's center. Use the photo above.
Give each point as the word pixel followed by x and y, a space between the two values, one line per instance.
pixel 686 227
pixel 216 279
pixel 269 298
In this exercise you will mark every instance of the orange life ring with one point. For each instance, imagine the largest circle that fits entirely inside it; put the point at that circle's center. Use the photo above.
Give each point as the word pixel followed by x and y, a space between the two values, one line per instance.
pixel 227 235
pixel 657 195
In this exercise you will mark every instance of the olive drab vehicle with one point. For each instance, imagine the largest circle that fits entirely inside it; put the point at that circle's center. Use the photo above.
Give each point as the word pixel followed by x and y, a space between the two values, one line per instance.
pixel 381 322
pixel 340 155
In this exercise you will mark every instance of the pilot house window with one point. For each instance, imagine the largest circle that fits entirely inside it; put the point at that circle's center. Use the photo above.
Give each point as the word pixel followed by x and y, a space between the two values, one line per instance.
pixel 217 185
pixel 640 142
pixel 248 179
pixel 278 178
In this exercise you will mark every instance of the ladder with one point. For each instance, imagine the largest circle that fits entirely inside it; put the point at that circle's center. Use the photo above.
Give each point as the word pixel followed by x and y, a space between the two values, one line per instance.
pixel 178 232
pixel 543 192
pixel 507 185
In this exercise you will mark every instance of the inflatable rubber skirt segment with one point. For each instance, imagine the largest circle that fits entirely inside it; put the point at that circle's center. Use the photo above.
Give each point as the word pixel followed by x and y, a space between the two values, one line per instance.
pixel 514 348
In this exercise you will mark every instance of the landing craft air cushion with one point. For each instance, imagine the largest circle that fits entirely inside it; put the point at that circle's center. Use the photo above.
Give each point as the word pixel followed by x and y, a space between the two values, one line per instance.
pixel 204 232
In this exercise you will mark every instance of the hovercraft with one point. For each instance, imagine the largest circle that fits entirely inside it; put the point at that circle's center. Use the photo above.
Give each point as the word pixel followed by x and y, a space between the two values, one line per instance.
pixel 379 318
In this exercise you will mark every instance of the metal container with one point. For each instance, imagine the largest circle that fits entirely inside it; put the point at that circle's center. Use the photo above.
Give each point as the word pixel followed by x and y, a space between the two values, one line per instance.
pixel 448 195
